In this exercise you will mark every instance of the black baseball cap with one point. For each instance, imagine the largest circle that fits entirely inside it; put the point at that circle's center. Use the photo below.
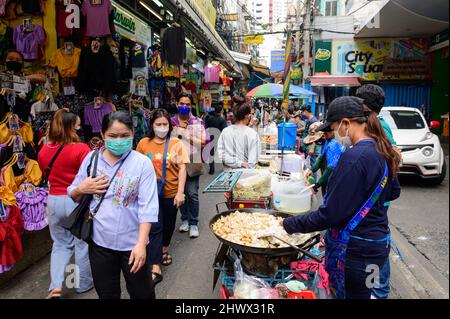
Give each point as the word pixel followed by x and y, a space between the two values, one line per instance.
pixel 343 107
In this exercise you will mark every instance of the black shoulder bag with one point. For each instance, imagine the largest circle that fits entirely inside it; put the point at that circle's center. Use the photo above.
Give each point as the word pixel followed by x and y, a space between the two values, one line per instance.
pixel 44 183
pixel 80 221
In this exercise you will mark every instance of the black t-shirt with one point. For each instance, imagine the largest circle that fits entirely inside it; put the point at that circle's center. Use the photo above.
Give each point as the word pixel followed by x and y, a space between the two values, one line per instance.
pixel 138 56
pixel 31 7
pixel 22 108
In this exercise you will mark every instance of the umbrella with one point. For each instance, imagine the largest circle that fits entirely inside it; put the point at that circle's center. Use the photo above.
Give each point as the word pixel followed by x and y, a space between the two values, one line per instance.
pixel 275 91
pixel 266 91
pixel 299 91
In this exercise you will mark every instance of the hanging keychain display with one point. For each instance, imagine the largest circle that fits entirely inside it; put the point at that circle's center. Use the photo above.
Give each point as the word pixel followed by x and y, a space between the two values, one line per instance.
pixel 69 87
pixel 3 214
pixel 13 123
pixel 21 160
pixel 17 144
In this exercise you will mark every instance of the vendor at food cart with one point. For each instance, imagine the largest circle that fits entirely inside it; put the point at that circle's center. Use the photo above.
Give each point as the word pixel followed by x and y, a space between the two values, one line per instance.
pixel 330 154
pixel 353 210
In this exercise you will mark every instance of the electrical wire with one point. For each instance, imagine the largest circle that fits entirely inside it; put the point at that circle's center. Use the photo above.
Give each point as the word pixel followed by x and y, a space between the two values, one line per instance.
pixel 418 14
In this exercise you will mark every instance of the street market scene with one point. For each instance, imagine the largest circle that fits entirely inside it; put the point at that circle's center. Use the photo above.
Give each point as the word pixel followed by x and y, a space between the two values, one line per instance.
pixel 224 149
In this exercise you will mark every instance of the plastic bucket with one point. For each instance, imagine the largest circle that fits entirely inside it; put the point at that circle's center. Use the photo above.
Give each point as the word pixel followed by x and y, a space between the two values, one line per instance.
pixel 290 136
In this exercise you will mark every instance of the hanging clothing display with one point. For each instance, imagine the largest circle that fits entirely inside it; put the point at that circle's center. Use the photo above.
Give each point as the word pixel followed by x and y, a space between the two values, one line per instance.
pixel 174 46
pixel 29 43
pixel 11 231
pixel 32 202
pixel 42 107
pixel 94 116
pixel 156 64
pixel 97 18
pixel 96 70
pixel 33 7
pixel 212 73
pixel 5 39
pixel 67 64
pixel 157 88
pixel 139 125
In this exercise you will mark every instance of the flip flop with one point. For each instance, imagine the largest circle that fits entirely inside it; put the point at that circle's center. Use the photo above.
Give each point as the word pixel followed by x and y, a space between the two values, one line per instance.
pixel 157 278
pixel 54 295
pixel 167 259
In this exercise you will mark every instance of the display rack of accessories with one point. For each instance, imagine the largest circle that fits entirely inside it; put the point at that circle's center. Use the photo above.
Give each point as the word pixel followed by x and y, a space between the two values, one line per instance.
pixel 226 93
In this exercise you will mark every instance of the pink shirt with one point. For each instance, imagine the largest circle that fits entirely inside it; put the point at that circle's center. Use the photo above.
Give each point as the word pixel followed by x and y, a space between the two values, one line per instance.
pixel 212 74
pixel 97 18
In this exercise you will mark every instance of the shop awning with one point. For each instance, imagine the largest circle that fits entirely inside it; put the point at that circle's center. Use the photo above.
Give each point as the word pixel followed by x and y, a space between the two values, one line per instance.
pixel 207 34
pixel 260 68
pixel 417 18
pixel 335 81
pixel 241 57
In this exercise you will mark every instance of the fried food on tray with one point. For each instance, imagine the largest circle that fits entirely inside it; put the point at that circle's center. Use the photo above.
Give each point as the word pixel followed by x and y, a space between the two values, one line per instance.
pixel 246 228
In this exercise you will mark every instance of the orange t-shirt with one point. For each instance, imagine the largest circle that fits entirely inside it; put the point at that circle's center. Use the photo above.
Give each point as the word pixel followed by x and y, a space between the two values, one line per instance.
pixel 176 156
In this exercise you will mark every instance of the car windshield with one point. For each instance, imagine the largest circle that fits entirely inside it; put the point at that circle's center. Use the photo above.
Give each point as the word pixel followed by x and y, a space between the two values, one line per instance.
pixel 403 120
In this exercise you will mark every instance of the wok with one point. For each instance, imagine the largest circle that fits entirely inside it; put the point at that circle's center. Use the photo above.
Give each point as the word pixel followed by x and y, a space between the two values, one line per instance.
pixel 276 252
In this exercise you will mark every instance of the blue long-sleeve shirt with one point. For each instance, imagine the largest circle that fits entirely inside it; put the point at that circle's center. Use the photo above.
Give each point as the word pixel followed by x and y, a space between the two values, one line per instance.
pixel 356 176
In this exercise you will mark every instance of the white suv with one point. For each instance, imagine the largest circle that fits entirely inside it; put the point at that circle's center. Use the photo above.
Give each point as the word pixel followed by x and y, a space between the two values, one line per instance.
pixel 422 153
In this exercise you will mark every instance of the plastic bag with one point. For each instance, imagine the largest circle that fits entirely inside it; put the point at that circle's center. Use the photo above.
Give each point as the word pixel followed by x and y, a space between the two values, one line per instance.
pixel 250 287
pixel 254 186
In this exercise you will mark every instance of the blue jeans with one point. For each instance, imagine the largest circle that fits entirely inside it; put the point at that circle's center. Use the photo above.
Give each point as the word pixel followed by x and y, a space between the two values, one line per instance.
pixel 384 290
pixel 191 209
pixel 65 245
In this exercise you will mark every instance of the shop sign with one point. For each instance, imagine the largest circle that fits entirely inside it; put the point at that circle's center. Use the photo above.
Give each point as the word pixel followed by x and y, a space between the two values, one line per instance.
pixel 322 57
pixel 207 8
pixel 253 39
pixel 382 59
pixel 130 26
pixel 440 37
pixel 230 17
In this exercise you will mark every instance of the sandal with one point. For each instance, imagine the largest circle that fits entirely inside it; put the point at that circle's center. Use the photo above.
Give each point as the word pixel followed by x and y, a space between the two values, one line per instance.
pixel 167 259
pixel 54 294
pixel 157 278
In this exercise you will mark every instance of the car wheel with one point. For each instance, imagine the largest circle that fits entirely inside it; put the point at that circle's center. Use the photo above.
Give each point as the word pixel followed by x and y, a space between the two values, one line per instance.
pixel 438 181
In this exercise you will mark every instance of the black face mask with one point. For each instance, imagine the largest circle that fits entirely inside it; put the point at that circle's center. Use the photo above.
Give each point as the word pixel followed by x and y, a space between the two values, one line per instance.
pixel 14 66
pixel 321 141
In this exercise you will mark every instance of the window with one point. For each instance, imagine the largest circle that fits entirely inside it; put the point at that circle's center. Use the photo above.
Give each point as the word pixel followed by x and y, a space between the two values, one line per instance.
pixel 403 120
pixel 331 8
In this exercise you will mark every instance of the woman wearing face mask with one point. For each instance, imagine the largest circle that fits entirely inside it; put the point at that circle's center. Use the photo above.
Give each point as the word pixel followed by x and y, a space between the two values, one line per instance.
pixel 122 224
pixel 67 155
pixel 353 211
pixel 14 64
pixel 162 149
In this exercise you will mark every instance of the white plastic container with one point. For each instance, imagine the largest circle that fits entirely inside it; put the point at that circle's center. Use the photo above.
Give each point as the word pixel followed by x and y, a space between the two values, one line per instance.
pixel 287 197
pixel 293 163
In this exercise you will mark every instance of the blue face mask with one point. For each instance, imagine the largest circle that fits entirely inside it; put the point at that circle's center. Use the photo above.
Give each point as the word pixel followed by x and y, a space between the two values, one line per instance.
pixel 184 110
pixel 119 147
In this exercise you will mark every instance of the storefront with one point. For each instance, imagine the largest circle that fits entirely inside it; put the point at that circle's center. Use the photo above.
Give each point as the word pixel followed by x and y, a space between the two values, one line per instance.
pixel 98 56
pixel 401 66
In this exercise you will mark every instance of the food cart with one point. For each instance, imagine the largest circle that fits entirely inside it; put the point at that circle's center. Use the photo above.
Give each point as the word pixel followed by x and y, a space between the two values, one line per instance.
pixel 255 264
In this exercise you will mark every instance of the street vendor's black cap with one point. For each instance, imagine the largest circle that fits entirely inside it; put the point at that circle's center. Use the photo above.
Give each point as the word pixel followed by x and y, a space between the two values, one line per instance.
pixel 343 107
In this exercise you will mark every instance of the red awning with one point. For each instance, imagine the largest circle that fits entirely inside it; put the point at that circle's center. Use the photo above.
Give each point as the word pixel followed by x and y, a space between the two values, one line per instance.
pixel 338 81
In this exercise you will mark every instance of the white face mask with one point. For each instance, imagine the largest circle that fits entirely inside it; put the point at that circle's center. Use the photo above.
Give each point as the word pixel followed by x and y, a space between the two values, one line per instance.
pixel 161 132
pixel 343 140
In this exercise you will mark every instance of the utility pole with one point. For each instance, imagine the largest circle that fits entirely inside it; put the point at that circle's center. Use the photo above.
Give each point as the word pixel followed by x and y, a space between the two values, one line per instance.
pixel 307 41
pixel 296 25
